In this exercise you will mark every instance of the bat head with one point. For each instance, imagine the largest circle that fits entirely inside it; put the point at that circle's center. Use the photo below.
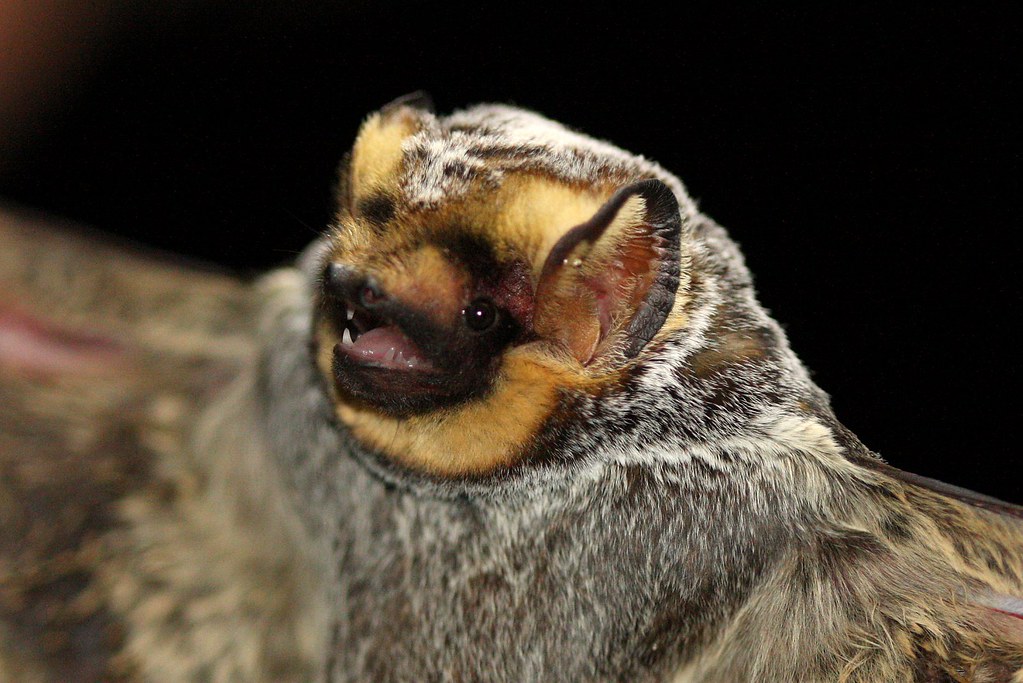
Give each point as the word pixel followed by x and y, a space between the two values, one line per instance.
pixel 482 268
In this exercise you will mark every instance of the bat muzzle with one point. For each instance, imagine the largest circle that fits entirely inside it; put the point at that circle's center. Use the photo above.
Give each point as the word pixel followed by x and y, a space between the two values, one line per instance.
pixel 387 354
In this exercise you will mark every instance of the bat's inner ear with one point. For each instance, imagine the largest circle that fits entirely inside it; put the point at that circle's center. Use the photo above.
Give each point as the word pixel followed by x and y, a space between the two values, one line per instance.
pixel 609 284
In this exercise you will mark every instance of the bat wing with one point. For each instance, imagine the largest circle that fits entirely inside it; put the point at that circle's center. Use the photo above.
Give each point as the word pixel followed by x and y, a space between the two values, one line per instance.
pixel 105 355
pixel 72 290
pixel 972 498
pixel 996 538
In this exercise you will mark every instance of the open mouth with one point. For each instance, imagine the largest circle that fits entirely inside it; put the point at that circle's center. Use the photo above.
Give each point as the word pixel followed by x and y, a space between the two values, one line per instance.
pixel 374 342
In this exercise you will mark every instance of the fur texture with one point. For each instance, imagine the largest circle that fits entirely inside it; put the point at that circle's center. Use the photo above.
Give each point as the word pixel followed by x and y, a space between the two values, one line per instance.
pixel 217 508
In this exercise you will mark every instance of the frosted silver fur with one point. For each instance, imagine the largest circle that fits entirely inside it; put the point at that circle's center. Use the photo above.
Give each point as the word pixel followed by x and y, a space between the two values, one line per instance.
pixel 494 140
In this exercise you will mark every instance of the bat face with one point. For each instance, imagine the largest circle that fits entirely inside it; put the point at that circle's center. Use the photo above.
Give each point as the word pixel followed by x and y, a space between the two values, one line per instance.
pixel 465 293
pixel 424 327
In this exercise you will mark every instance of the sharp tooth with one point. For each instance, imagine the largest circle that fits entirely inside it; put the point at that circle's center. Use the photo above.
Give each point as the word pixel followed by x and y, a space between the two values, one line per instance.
pixel 400 357
pixel 350 313
pixel 346 338
pixel 412 362
pixel 389 356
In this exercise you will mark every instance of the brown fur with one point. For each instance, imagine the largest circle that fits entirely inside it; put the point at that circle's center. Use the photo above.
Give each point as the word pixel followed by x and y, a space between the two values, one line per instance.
pixel 106 543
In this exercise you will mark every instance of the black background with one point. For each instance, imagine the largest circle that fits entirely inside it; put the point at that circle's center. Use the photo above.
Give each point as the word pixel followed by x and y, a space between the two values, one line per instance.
pixel 866 159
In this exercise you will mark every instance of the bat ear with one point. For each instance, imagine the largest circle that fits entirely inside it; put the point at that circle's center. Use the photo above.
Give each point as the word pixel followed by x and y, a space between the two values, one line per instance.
pixel 419 100
pixel 610 282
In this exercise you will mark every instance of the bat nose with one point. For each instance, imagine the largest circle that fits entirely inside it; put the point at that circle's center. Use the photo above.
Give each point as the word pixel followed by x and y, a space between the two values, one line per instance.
pixel 352 285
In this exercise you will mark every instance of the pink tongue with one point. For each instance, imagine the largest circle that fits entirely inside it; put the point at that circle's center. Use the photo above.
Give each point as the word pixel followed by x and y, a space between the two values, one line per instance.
pixel 389 348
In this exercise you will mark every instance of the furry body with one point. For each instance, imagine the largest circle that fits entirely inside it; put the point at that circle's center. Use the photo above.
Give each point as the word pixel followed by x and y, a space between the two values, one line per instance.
pixel 693 513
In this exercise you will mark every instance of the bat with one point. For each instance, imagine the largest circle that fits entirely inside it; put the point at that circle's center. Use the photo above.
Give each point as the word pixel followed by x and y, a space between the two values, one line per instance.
pixel 516 415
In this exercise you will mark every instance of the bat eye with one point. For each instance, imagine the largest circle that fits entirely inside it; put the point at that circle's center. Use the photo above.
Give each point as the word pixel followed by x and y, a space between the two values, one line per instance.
pixel 480 315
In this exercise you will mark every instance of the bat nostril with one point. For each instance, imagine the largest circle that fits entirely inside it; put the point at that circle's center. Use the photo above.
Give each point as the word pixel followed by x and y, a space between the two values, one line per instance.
pixel 369 295
pixel 349 284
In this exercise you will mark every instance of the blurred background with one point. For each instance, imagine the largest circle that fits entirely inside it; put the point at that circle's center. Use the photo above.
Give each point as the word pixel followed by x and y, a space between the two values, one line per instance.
pixel 867 159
